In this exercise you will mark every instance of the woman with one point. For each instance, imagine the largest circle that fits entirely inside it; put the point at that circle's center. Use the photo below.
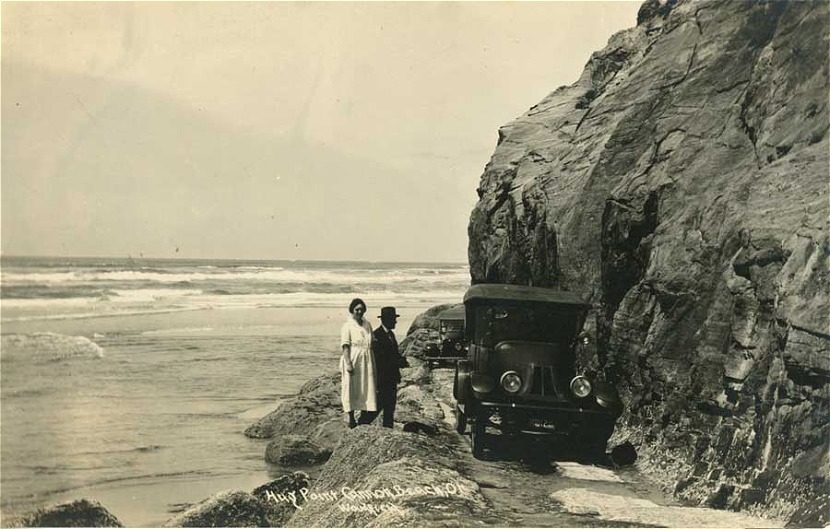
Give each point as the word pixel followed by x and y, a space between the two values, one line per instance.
pixel 357 364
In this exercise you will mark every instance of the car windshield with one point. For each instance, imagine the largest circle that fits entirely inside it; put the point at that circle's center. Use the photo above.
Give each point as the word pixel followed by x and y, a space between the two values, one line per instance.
pixel 452 325
pixel 531 323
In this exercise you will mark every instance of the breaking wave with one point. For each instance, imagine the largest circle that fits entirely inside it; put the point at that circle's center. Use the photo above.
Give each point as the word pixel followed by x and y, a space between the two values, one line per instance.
pixel 48 346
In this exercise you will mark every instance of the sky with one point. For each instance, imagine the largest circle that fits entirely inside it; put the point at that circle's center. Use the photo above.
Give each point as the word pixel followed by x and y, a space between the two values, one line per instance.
pixel 341 131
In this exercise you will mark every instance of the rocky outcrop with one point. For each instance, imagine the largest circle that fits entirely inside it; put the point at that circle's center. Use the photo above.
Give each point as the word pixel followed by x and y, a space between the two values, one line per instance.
pixel 415 344
pixel 428 319
pixel 313 417
pixel 306 428
pixel 379 477
pixel 423 332
pixel 295 450
pixel 269 505
pixel 273 494
pixel 226 509
pixel 78 513
pixel 682 180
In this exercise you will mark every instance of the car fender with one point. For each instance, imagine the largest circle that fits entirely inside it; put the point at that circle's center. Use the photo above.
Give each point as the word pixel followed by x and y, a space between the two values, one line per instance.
pixel 482 383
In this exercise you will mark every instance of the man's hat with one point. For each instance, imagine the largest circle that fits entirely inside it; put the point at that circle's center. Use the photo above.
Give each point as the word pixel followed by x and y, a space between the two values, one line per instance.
pixel 388 312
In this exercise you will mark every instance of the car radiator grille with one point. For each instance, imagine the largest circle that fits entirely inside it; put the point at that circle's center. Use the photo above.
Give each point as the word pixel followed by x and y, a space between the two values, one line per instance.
pixel 544 383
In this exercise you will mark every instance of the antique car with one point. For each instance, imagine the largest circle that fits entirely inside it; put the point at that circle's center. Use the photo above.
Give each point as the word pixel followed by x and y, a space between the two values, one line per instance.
pixel 452 345
pixel 520 375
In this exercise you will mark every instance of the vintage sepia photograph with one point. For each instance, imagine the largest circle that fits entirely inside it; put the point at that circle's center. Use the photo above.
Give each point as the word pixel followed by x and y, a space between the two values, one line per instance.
pixel 415 264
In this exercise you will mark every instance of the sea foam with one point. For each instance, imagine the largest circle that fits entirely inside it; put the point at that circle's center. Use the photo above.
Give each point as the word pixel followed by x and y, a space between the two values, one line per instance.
pixel 47 346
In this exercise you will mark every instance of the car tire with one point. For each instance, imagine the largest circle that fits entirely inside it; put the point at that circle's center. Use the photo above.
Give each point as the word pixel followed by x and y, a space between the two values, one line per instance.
pixel 460 420
pixel 596 442
pixel 477 436
pixel 461 386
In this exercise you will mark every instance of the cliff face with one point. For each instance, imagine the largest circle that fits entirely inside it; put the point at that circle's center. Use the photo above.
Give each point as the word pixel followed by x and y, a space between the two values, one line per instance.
pixel 683 180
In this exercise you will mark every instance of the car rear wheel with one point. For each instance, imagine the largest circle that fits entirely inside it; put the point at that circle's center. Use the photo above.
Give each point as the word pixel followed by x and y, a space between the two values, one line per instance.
pixel 460 420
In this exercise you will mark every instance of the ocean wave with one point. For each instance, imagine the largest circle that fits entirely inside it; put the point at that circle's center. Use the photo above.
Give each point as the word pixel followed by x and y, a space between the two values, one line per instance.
pixel 111 314
pixel 160 301
pixel 374 298
pixel 140 295
pixel 275 275
pixel 25 303
pixel 176 331
pixel 126 450
pixel 48 346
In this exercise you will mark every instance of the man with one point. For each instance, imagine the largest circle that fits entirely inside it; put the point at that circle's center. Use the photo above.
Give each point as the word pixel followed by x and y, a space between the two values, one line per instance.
pixel 388 364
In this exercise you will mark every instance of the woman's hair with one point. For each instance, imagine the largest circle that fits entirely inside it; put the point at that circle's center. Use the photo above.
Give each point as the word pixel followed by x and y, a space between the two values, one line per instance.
pixel 355 302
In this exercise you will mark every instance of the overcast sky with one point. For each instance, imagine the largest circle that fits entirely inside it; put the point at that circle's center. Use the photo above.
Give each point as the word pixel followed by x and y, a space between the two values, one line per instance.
pixel 269 130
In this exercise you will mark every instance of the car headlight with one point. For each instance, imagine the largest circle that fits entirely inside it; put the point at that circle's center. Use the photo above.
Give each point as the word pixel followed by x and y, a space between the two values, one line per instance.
pixel 511 382
pixel 581 386
pixel 458 346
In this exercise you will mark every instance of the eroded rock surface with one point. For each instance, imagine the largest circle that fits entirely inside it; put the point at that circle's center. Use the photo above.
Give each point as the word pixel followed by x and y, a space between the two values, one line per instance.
pixel 78 513
pixel 428 319
pixel 225 509
pixel 275 493
pixel 683 180
pixel 295 450
pixel 316 413
pixel 380 477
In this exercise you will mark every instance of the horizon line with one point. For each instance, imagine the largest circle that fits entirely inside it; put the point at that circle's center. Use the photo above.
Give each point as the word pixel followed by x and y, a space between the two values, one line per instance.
pixel 130 257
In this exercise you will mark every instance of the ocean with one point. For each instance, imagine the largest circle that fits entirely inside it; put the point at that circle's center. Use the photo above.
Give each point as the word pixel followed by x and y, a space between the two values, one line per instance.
pixel 130 381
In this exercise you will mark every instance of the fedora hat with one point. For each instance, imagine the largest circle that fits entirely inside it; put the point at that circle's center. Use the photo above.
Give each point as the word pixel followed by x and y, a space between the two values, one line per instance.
pixel 388 312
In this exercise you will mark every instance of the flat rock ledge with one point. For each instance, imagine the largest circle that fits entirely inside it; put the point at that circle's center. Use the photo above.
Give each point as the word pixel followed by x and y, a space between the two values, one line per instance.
pixel 78 513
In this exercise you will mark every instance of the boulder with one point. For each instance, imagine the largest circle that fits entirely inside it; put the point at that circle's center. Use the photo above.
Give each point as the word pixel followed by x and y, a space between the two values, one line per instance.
pixel 78 513
pixel 328 433
pixel 417 404
pixel 226 509
pixel 282 497
pixel 624 454
pixel 317 402
pixel 415 344
pixel 683 181
pixel 380 477
pixel 295 450
pixel 428 319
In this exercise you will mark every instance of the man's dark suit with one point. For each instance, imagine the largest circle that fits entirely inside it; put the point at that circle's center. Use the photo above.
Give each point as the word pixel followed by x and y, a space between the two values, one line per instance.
pixel 388 363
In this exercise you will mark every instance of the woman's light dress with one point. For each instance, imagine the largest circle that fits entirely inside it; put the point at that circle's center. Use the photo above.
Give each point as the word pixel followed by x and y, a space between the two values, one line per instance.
pixel 358 389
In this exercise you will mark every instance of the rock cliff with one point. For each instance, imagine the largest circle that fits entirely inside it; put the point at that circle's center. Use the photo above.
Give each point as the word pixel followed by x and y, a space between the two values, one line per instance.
pixel 683 181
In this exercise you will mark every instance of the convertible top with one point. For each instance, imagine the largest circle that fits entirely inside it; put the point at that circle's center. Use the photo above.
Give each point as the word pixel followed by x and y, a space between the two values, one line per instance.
pixel 522 293
pixel 453 313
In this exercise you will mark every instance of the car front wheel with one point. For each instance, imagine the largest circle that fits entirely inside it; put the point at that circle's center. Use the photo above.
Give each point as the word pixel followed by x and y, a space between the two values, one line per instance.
pixel 460 420
pixel 477 439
